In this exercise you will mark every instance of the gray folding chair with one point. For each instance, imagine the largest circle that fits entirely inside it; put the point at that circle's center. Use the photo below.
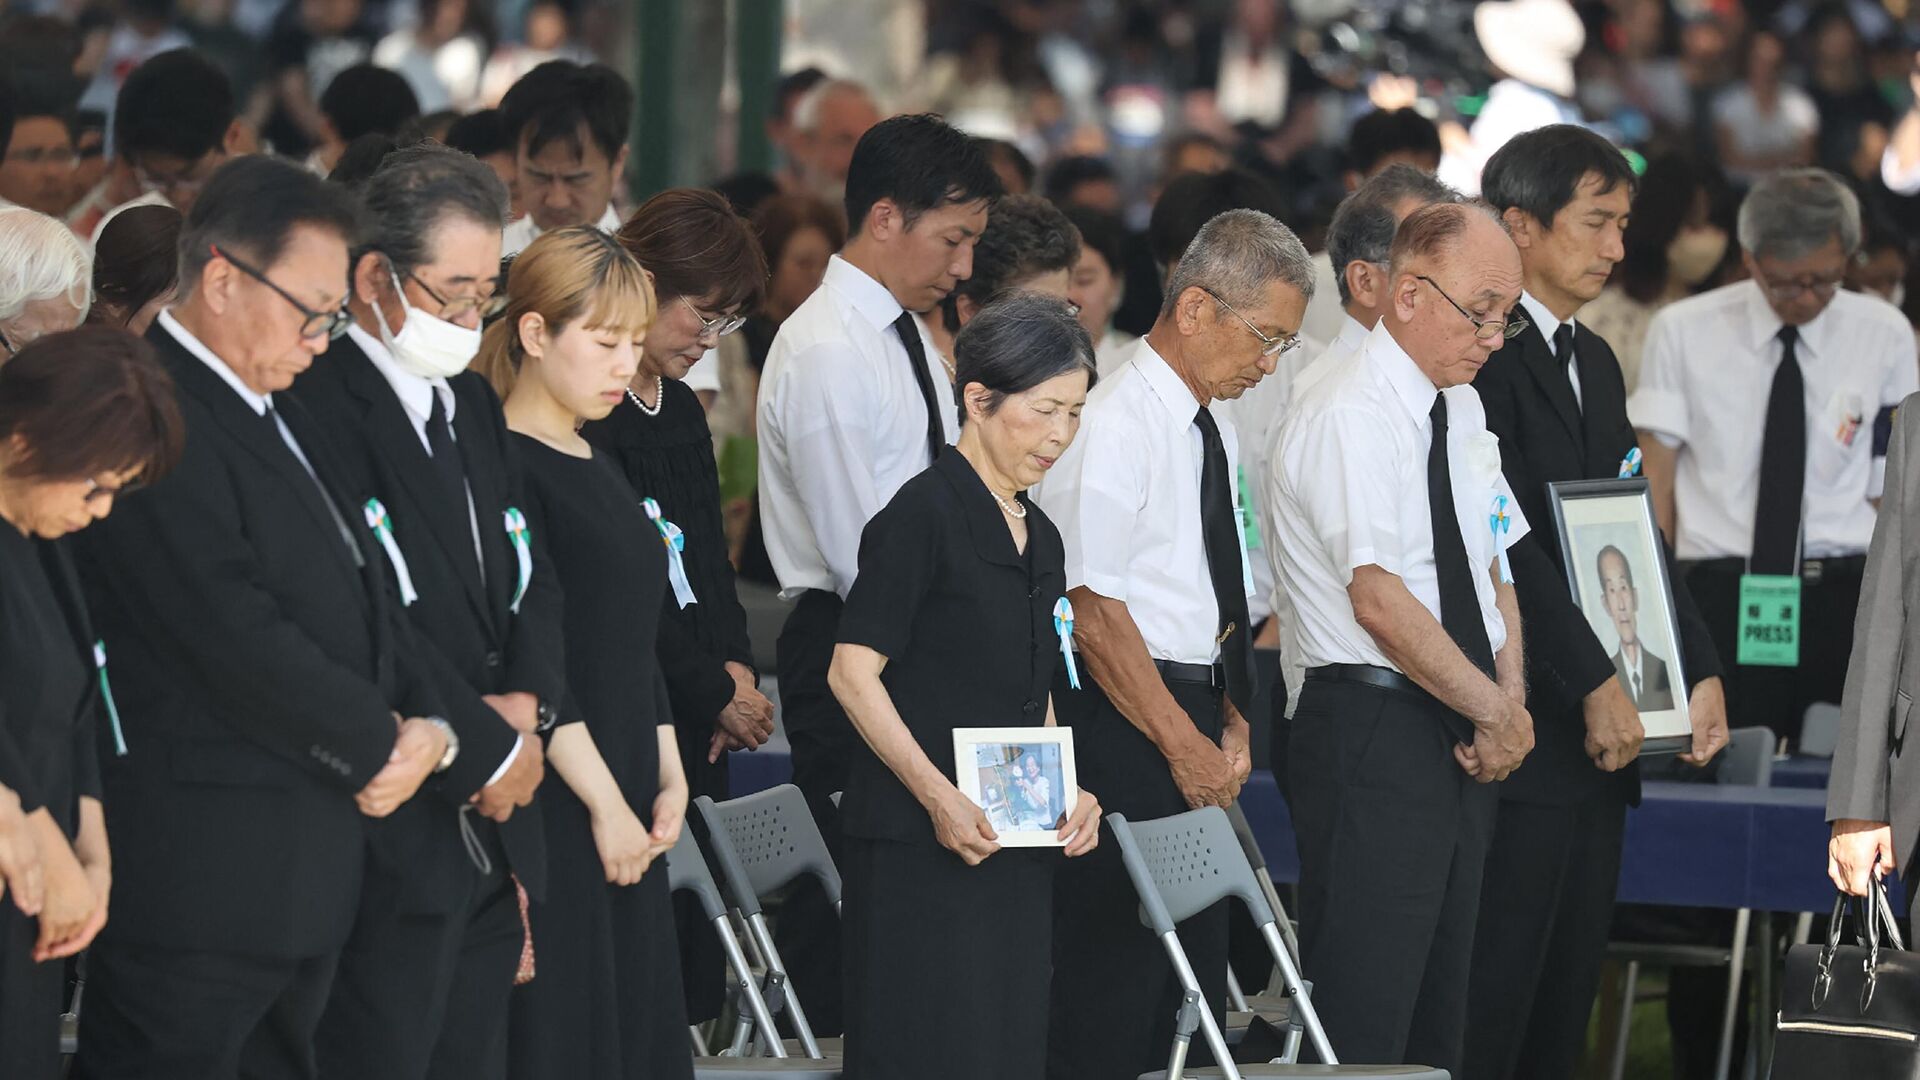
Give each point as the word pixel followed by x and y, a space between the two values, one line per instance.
pixel 687 872
pixel 1182 865
pixel 761 843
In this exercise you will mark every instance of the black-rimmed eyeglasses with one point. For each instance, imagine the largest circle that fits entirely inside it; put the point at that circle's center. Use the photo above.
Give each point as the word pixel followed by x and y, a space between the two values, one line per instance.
pixel 331 323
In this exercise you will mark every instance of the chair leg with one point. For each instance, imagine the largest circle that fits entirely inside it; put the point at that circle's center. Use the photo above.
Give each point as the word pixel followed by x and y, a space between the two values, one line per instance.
pixel 1803 928
pixel 757 924
pixel 1236 1000
pixel 1736 967
pixel 1183 1025
pixel 1302 1004
pixel 760 1017
pixel 1620 1039
pixel 1191 985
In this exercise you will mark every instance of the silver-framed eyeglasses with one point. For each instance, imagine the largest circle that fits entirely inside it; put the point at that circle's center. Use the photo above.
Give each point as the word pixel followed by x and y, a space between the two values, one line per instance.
pixel 1483 329
pixel 717 327
pixel 1271 347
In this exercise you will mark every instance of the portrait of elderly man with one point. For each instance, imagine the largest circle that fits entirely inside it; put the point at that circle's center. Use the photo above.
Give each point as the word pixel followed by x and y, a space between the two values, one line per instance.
pixel 1642 674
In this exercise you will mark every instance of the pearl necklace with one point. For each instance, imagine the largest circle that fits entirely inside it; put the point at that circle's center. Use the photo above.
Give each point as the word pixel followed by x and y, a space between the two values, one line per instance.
pixel 953 374
pixel 659 397
pixel 1013 507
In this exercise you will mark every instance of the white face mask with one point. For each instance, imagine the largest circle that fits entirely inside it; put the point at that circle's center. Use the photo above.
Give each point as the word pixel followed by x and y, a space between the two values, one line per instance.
pixel 427 346
pixel 1695 253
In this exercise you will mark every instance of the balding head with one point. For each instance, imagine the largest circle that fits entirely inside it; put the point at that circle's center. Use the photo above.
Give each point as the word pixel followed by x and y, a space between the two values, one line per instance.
pixel 827 125
pixel 1453 267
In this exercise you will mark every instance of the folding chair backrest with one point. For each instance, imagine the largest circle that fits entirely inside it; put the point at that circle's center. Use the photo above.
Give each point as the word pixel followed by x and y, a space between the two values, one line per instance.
pixel 1243 832
pixel 687 872
pixel 1820 730
pixel 1184 864
pixel 764 841
pixel 1748 758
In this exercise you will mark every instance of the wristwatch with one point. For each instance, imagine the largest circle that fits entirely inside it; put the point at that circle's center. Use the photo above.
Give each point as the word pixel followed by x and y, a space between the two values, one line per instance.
pixel 547 714
pixel 453 744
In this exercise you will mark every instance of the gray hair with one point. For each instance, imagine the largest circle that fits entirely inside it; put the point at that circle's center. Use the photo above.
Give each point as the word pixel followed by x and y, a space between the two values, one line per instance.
pixel 1016 343
pixel 806 115
pixel 1236 255
pixel 1363 225
pixel 1795 212
pixel 40 259
pixel 415 191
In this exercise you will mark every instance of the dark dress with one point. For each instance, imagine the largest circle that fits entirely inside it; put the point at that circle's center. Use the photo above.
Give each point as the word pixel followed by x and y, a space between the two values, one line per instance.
pixel 48 756
pixel 947 965
pixel 604 1003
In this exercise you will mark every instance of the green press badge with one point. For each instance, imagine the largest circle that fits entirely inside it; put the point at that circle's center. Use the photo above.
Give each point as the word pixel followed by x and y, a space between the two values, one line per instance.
pixel 1769 620
pixel 1249 515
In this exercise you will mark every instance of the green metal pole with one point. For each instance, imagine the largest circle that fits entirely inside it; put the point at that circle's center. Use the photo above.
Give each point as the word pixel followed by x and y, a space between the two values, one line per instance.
pixel 756 60
pixel 650 159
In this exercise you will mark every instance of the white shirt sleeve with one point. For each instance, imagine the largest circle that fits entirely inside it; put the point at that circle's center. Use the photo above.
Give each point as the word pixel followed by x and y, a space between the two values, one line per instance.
pixel 1096 502
pixel 1901 181
pixel 831 452
pixel 1348 486
pixel 1659 402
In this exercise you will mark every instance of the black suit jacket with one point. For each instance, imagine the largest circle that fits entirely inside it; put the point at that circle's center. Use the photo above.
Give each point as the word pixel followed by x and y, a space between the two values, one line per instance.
pixel 1547 436
pixel 257 669
pixel 1655 693
pixel 469 636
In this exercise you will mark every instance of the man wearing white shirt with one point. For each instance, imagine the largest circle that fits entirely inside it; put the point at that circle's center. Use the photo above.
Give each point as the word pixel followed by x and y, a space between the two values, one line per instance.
pixel 853 404
pixel 569 125
pixel 1764 410
pixel 1413 697
pixel 1158 575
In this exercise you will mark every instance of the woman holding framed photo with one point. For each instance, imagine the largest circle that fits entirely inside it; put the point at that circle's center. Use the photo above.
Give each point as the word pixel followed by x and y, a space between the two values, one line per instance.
pixel 950 624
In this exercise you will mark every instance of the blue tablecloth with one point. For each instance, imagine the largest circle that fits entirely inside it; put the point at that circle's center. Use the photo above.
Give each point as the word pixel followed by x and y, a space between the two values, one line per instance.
pixel 1802 772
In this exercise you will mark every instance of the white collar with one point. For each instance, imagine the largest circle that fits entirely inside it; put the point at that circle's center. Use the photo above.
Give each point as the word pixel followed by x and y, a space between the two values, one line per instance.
pixel 414 391
pixel 1411 385
pixel 1166 384
pixel 1353 333
pixel 255 400
pixel 1537 313
pixel 609 223
pixel 868 297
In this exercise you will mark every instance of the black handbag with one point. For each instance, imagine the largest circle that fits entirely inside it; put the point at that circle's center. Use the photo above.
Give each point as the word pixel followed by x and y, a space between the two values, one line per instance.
pixel 1851 1011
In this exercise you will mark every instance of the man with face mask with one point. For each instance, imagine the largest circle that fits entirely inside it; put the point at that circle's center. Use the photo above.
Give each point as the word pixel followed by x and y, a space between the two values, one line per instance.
pixel 422 987
pixel 1764 411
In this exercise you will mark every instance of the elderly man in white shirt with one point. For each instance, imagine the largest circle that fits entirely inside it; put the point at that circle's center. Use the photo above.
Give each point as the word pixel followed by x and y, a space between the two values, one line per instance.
pixel 1764 410
pixel 849 411
pixel 1158 575
pixel 1394 558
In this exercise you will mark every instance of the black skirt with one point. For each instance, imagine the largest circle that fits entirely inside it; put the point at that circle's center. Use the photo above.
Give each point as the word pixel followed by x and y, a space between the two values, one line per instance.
pixel 948 966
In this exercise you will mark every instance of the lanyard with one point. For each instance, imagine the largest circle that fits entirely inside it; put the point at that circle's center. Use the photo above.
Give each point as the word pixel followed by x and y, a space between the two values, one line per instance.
pixel 1063 625
pixel 517 532
pixel 382 527
pixel 676 542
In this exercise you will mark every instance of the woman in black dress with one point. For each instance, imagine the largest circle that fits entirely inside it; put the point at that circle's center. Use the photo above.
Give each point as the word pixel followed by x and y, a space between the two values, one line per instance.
pixel 84 417
pixel 604 1002
pixel 950 624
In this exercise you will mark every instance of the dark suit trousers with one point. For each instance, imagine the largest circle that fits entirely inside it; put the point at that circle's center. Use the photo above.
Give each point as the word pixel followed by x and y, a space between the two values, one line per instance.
pixel 30 1002
pixel 164 1014
pixel 423 995
pixel 1115 994
pixel 1777 697
pixel 1393 844
pixel 1546 906
pixel 807 930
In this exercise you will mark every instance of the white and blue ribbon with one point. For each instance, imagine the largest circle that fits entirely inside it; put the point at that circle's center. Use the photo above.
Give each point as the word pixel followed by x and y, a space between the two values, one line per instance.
pixel 518 533
pixel 1502 523
pixel 676 542
pixel 106 695
pixel 1063 625
pixel 382 527
pixel 1630 465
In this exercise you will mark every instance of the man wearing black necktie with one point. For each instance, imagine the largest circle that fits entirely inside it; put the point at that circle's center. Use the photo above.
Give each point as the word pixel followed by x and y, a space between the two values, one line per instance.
pixel 261 667
pixel 1555 398
pixel 1156 568
pixel 423 985
pixel 1393 518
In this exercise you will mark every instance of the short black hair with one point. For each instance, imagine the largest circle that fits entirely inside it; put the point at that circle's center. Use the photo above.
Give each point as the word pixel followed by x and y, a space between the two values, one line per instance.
pixel 1103 233
pixel 920 163
pixel 1002 150
pixel 43 91
pixel 1194 199
pixel 251 205
pixel 1026 235
pixel 1070 172
pixel 746 192
pixel 1384 132
pixel 361 158
pixel 482 134
pixel 552 101
pixel 1363 225
pixel 1540 171
pixel 368 100
pixel 177 103
pixel 791 88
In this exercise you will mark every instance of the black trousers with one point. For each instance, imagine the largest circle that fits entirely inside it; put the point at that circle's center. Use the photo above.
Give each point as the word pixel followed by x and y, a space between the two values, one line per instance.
pixel 423 995
pixel 1777 697
pixel 807 929
pixel 1115 994
pixel 165 1014
pixel 1393 839
pixel 30 1001
pixel 1546 906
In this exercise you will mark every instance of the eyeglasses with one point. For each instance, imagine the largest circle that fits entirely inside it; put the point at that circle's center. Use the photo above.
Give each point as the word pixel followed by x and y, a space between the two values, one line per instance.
pixel 1483 329
pixel 1786 291
pixel 1269 346
pixel 717 327
pixel 97 490
pixel 331 323
pixel 459 307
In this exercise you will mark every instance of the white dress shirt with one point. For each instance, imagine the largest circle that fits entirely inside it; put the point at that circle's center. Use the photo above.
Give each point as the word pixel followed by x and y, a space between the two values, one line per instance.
pixel 1351 479
pixel 1126 497
pixel 842 425
pixel 1115 348
pixel 1549 325
pixel 1325 313
pixel 1704 384
pixel 1256 415
pixel 519 234
pixel 1346 345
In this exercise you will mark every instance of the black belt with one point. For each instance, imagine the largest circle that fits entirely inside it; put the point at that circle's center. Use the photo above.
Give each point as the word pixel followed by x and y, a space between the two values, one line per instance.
pixel 1211 675
pixel 1388 679
pixel 1812 571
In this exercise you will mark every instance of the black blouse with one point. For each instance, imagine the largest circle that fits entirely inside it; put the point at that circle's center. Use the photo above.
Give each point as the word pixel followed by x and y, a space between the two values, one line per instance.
pixel 669 458
pixel 965 621
pixel 49 692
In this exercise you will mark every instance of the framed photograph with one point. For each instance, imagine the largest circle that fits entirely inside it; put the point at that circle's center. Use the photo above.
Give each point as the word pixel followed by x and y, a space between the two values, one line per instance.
pixel 1023 777
pixel 1613 555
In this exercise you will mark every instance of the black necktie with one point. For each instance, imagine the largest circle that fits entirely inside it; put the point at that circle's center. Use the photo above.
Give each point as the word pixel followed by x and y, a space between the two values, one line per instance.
pixel 917 353
pixel 274 424
pixel 1563 356
pixel 447 464
pixel 1783 466
pixel 1218 523
pixel 1459 603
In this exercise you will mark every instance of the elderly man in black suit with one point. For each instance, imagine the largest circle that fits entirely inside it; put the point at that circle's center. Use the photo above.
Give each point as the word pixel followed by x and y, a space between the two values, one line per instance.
pixel 270 696
pixel 1555 397
pixel 1642 674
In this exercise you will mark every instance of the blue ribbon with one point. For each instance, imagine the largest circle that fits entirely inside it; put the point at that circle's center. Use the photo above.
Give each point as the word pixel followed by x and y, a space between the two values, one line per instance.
pixel 1630 465
pixel 1063 625
pixel 1502 523
pixel 676 542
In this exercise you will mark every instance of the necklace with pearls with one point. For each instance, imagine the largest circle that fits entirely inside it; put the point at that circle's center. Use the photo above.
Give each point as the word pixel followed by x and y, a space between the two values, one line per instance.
pixel 659 398
pixel 1013 507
